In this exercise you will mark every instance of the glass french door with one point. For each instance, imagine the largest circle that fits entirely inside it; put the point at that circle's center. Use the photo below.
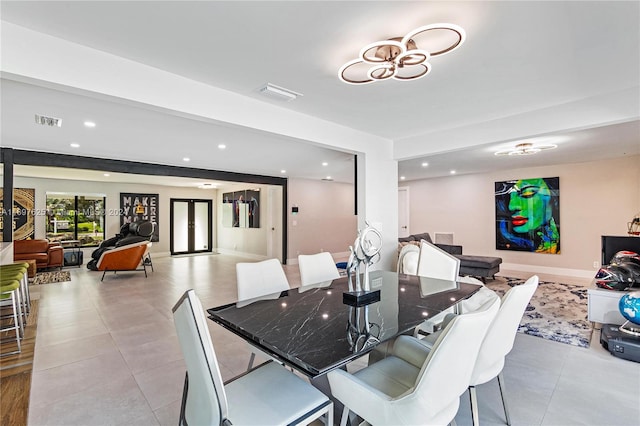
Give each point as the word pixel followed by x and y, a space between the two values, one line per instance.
pixel 191 226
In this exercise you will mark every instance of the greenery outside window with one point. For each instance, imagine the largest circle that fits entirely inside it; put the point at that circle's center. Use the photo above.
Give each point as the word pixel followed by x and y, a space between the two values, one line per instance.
pixel 76 217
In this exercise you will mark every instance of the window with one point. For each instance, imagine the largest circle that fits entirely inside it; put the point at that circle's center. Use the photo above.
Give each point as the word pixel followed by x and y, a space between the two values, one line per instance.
pixel 76 217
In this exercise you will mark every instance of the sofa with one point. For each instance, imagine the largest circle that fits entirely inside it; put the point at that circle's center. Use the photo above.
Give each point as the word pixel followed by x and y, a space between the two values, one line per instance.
pixel 474 266
pixel 46 254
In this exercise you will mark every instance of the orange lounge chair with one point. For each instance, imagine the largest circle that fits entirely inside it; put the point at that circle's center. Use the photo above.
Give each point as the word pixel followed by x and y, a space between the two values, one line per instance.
pixel 125 258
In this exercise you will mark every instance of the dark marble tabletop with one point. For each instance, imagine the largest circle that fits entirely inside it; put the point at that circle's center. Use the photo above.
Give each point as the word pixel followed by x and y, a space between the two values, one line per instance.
pixel 314 331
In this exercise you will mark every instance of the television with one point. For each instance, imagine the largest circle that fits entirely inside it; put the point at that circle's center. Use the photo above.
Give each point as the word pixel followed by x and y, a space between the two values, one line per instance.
pixel 613 244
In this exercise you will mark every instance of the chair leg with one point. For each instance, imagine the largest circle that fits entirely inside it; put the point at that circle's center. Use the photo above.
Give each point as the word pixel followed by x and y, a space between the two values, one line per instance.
pixel 504 400
pixel 345 416
pixel 251 359
pixel 474 405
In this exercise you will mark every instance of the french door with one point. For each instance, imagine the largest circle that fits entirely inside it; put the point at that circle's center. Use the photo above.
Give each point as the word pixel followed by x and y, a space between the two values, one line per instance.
pixel 191 222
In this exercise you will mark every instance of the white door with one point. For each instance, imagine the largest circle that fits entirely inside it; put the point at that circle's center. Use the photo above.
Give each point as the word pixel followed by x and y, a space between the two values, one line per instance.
pixel 274 224
pixel 403 212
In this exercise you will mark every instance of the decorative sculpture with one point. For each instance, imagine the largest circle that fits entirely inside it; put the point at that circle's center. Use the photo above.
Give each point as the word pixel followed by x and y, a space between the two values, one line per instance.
pixel 364 253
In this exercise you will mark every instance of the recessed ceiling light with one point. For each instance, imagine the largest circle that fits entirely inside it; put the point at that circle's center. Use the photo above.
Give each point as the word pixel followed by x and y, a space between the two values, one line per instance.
pixel 89 124
pixel 222 146
pixel 74 145
pixel 453 172
pixel 325 164
pixel 106 174
pixel 186 159
pixel 425 164
pixel 283 171
pixel 402 177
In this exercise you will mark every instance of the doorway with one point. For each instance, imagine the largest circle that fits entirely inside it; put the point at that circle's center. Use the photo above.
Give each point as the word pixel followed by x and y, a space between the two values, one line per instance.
pixel 403 212
pixel 190 226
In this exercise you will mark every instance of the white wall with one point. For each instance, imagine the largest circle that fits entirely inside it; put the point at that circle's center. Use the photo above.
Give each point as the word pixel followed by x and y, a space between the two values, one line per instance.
pixel 33 57
pixel 596 198
pixel 325 221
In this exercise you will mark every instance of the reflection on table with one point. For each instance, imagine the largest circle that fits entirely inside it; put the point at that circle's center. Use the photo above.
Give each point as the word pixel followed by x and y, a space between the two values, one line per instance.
pixel 315 331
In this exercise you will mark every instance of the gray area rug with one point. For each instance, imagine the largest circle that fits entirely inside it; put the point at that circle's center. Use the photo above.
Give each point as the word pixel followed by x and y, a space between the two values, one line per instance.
pixel 556 312
pixel 52 277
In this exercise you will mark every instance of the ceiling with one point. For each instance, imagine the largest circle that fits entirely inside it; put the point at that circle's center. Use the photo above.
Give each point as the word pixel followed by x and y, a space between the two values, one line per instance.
pixel 560 72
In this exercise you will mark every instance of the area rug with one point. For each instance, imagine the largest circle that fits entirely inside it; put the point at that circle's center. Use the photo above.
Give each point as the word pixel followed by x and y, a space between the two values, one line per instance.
pixel 52 277
pixel 556 311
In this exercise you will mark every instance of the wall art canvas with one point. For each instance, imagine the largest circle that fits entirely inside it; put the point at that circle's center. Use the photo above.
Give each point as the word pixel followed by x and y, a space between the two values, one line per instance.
pixel 139 207
pixel 528 215
pixel 23 213
pixel 241 209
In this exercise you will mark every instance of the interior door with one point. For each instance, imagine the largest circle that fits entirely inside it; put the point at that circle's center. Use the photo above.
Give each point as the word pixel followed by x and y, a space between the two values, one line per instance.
pixel 403 212
pixel 191 226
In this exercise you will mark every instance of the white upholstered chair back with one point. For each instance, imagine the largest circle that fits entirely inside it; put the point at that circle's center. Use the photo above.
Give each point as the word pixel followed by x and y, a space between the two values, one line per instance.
pixel 447 370
pixel 204 401
pixel 317 270
pixel 434 262
pixel 408 259
pixel 499 339
pixel 258 279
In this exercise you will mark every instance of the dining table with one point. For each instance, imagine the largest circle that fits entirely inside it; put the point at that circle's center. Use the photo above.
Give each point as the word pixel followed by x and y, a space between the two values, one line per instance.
pixel 315 330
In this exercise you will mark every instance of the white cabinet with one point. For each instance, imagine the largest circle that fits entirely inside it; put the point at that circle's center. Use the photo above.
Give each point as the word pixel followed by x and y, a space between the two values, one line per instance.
pixel 603 305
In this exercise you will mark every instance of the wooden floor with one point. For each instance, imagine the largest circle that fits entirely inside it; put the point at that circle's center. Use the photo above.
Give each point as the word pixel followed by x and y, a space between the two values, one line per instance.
pixel 15 374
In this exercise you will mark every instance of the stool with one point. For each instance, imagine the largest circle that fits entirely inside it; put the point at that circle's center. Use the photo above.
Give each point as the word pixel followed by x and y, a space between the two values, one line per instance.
pixel 10 289
pixel 19 271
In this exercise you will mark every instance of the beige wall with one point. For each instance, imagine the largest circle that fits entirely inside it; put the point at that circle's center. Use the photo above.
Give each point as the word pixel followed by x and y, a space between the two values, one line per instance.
pixel 596 198
pixel 325 221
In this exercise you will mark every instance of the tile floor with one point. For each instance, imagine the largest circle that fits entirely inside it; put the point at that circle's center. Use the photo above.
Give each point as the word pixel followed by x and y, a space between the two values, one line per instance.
pixel 107 353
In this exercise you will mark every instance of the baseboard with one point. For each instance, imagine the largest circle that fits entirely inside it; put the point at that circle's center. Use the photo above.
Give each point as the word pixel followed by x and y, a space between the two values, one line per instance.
pixel 579 273
pixel 240 253
pixel 342 256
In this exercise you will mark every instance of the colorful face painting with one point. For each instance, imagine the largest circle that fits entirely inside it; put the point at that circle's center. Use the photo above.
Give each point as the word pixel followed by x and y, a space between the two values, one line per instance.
pixel 528 215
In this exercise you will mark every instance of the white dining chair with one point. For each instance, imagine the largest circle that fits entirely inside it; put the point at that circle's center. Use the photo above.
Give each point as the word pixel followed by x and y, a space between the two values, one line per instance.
pixel 433 262
pixel 267 395
pixel 415 385
pixel 259 281
pixel 499 341
pixel 316 270
pixel 408 259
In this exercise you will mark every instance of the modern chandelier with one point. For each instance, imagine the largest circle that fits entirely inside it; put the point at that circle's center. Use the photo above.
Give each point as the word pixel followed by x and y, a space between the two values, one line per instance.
pixel 526 148
pixel 400 58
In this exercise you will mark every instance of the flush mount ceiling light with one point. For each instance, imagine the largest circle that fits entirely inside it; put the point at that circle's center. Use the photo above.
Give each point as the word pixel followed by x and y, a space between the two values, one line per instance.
pixel 400 57
pixel 207 185
pixel 526 149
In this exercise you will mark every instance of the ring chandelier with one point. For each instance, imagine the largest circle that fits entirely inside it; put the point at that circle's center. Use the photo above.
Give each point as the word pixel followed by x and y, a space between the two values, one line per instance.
pixel 526 149
pixel 398 58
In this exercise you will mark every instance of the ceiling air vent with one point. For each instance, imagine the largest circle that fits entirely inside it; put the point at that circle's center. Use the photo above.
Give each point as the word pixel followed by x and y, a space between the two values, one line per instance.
pixel 278 93
pixel 48 121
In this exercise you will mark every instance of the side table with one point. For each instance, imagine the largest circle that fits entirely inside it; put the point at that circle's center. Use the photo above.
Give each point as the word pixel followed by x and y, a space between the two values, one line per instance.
pixel 603 305
pixel 74 248
pixel 31 272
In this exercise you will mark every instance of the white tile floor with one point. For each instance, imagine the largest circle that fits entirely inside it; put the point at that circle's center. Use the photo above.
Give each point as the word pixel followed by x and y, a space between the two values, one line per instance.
pixel 107 353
